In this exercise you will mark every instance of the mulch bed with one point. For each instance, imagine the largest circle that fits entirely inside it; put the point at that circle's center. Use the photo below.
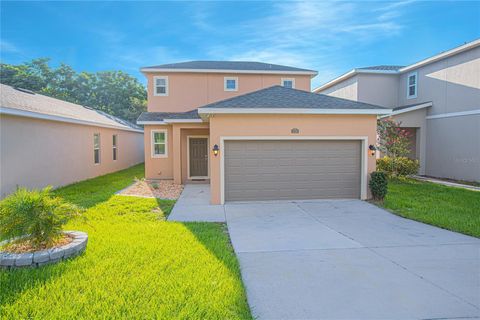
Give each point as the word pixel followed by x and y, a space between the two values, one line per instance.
pixel 162 189
pixel 26 246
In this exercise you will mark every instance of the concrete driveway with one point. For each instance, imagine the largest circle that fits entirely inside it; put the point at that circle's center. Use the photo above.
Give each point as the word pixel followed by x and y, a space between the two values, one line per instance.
pixel 348 259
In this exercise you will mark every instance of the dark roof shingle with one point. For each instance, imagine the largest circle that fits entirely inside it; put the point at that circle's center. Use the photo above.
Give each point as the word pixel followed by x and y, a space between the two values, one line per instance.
pixel 160 116
pixel 281 97
pixel 382 68
pixel 228 65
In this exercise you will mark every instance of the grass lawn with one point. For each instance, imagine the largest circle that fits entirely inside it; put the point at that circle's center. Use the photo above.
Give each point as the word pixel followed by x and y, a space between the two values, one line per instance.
pixel 136 266
pixel 446 207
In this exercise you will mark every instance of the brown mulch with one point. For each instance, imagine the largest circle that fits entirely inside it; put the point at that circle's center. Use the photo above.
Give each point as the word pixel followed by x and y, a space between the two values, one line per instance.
pixel 163 189
pixel 26 246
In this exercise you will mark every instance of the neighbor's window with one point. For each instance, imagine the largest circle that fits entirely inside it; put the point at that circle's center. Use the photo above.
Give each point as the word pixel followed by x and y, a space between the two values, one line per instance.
pixel 96 148
pixel 412 81
pixel 288 83
pixel 231 83
pixel 160 86
pixel 114 146
pixel 159 144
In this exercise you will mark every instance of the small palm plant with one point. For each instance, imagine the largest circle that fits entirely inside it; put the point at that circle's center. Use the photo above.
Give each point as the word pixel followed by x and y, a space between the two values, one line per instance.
pixel 35 216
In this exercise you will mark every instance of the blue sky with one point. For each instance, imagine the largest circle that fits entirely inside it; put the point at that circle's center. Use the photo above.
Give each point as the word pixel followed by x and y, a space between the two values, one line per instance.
pixel 331 37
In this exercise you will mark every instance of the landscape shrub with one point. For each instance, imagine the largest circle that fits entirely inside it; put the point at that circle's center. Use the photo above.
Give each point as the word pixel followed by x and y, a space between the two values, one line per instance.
pixel 36 216
pixel 401 166
pixel 378 185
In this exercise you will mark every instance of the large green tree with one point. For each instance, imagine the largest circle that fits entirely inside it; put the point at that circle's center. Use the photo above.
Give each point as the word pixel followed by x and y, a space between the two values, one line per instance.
pixel 113 92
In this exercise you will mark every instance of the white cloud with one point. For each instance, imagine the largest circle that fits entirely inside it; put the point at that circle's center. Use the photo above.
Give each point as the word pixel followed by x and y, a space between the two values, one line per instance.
pixel 307 34
pixel 9 47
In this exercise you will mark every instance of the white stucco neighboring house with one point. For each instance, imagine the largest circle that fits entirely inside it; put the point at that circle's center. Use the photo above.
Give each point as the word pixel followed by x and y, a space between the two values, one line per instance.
pixel 438 98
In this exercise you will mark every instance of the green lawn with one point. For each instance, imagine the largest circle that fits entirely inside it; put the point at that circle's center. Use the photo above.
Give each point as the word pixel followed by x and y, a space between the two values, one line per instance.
pixel 136 266
pixel 446 207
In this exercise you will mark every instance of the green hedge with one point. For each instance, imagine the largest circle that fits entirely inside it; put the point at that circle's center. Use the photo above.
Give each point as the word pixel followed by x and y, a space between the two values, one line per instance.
pixel 401 166
pixel 378 185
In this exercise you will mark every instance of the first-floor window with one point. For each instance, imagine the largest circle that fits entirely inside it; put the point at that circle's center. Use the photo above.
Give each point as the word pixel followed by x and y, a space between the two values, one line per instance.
pixel 114 146
pixel 159 144
pixel 96 148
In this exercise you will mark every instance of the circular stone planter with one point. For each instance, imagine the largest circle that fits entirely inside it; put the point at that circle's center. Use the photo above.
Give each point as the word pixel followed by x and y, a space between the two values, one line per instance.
pixel 39 258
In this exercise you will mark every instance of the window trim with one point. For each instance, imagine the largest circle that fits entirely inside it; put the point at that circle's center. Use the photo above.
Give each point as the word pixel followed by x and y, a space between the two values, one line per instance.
pixel 415 73
pixel 115 147
pixel 152 143
pixel 155 78
pixel 99 149
pixel 225 83
pixel 288 79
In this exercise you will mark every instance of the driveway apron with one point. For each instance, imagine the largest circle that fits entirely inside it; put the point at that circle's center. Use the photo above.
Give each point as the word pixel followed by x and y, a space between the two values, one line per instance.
pixel 348 259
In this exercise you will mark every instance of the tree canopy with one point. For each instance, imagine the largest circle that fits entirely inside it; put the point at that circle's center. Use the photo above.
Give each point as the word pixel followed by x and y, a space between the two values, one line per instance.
pixel 114 92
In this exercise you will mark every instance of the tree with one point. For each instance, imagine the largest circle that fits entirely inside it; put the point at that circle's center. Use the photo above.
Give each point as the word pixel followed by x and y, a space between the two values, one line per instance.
pixel 392 140
pixel 113 92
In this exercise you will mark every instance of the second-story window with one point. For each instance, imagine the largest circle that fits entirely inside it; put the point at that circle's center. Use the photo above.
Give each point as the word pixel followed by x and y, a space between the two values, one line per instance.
pixel 160 86
pixel 230 83
pixel 412 81
pixel 288 83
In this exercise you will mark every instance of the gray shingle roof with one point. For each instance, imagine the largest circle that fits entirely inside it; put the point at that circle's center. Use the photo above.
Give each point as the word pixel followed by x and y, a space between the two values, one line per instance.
pixel 228 65
pixel 281 97
pixel 409 106
pixel 160 116
pixel 34 103
pixel 382 68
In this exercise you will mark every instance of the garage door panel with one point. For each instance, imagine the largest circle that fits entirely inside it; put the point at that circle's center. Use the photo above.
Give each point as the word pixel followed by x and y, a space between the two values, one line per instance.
pixel 267 170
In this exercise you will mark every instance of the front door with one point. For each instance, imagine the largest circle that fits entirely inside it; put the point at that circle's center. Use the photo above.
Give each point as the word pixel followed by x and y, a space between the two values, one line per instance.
pixel 198 157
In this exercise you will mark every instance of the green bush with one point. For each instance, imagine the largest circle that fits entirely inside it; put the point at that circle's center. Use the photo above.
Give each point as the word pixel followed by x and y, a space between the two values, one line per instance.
pixel 401 166
pixel 36 215
pixel 378 185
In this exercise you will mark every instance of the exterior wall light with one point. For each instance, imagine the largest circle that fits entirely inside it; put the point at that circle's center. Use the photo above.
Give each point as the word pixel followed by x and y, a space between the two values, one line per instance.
pixel 372 149
pixel 215 150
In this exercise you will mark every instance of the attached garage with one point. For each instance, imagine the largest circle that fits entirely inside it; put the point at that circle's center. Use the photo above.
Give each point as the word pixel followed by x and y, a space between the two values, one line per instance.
pixel 292 169
pixel 285 144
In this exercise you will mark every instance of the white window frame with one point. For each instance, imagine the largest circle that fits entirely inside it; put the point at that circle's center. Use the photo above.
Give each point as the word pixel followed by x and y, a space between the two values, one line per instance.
pixel 152 143
pixel 415 85
pixel 155 78
pixel 115 147
pixel 99 149
pixel 225 83
pixel 288 79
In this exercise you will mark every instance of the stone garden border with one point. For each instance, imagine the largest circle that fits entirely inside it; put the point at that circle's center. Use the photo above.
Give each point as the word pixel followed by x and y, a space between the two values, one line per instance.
pixel 39 258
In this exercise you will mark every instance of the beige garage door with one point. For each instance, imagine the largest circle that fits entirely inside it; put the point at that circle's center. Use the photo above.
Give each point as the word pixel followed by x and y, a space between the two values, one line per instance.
pixel 300 169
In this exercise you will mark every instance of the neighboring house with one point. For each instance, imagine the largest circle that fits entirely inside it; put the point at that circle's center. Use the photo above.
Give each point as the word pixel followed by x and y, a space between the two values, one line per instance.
pixel 438 99
pixel 254 131
pixel 46 141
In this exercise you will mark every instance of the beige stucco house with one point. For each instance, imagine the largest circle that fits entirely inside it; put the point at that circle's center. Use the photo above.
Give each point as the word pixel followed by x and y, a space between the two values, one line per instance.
pixel 437 98
pixel 254 131
pixel 46 141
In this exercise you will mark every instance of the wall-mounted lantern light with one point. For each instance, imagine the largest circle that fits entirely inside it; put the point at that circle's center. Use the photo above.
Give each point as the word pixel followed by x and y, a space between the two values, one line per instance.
pixel 215 150
pixel 372 149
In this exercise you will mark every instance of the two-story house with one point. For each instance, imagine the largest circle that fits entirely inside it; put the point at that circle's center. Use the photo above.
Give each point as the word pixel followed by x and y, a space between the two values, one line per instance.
pixel 254 131
pixel 437 99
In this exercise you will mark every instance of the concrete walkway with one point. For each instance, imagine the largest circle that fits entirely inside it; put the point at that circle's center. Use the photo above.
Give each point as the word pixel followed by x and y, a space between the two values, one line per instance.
pixel 194 206
pixel 447 183
pixel 349 259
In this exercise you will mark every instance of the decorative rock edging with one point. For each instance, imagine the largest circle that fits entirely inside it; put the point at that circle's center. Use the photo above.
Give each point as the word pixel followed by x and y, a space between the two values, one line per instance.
pixel 39 258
